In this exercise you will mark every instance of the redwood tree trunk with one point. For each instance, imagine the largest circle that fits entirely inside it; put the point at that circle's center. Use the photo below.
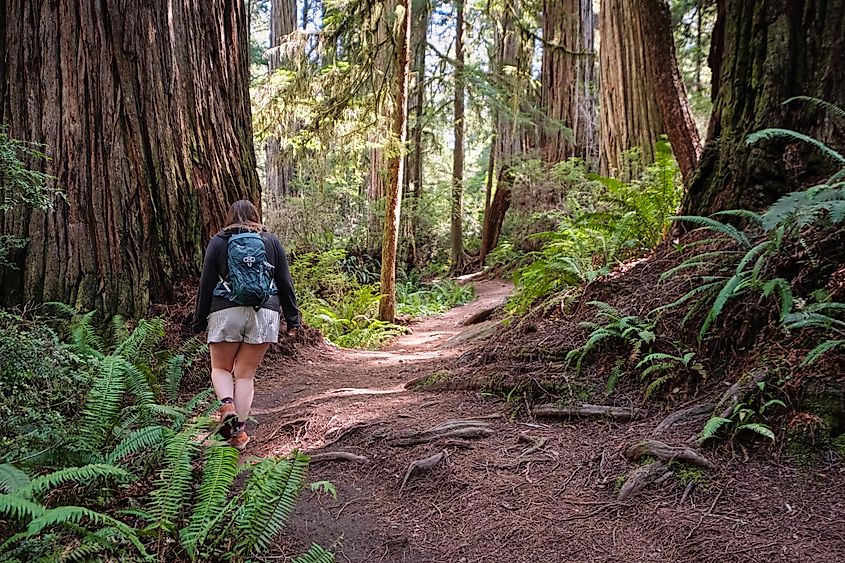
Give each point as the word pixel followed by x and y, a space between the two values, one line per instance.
pixel 568 81
pixel 669 86
pixel 512 61
pixel 145 115
pixel 278 165
pixel 630 116
pixel 762 54
pixel 399 129
pixel 458 255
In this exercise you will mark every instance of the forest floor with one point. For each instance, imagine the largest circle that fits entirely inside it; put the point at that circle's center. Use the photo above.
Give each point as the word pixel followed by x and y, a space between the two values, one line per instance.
pixel 491 498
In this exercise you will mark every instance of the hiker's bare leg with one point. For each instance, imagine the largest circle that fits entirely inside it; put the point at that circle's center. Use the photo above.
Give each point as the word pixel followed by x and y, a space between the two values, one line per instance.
pixel 246 362
pixel 222 365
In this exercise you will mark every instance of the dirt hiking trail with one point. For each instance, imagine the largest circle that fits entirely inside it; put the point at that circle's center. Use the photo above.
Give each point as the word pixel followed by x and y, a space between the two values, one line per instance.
pixel 448 476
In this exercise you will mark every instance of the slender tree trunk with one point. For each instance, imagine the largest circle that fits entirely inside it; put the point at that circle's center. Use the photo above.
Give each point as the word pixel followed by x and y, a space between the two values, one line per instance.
pixel 416 107
pixel 145 115
pixel 387 305
pixel 568 81
pixel 630 116
pixel 668 84
pixel 458 255
pixel 762 54
pixel 488 191
pixel 279 165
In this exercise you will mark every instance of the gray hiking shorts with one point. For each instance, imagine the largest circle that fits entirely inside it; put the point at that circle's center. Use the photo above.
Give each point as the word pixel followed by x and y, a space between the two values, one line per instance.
pixel 243 324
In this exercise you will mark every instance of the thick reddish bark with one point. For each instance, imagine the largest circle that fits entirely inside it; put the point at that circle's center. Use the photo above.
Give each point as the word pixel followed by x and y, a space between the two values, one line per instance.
pixel 567 93
pixel 669 87
pixel 762 54
pixel 145 114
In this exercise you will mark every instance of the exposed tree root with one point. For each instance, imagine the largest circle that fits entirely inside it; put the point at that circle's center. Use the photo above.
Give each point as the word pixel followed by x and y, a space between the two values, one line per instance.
pixel 425 463
pixel 665 452
pixel 640 478
pixel 337 456
pixel 622 413
pixel 482 316
pixel 738 391
pixel 537 444
pixel 691 413
pixel 449 429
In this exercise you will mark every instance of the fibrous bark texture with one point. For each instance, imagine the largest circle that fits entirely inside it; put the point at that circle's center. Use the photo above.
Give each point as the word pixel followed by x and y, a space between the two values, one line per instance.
pixel 669 87
pixel 762 54
pixel 568 81
pixel 144 111
pixel 456 231
pixel 630 116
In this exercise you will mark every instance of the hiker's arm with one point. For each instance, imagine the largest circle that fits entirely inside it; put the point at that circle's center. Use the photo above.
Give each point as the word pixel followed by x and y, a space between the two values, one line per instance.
pixel 287 298
pixel 207 282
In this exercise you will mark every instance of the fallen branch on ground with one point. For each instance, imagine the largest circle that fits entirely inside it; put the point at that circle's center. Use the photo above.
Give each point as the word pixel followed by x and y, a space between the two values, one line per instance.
pixel 481 316
pixel 665 452
pixel 536 443
pixel 640 478
pixel 703 410
pixel 426 463
pixel 622 413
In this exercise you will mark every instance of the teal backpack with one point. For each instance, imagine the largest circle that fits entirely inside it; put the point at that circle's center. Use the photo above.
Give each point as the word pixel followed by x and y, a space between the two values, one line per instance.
pixel 250 275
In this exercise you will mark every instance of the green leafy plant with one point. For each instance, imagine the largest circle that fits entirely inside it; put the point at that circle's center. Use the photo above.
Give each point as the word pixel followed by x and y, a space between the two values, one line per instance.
pixel 745 417
pixel 631 330
pixel 824 316
pixel 667 367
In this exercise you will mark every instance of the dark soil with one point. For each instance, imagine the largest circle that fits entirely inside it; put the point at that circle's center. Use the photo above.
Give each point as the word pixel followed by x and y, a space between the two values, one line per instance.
pixel 487 502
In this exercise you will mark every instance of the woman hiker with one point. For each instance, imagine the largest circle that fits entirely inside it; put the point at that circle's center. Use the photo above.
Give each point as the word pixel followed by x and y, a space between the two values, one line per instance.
pixel 245 279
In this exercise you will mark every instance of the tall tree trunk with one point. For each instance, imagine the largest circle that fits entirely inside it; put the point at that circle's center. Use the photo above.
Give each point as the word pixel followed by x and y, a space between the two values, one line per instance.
pixel 630 116
pixel 512 61
pixel 668 85
pixel 145 115
pixel 390 243
pixel 568 81
pixel 278 164
pixel 416 108
pixel 762 54
pixel 458 255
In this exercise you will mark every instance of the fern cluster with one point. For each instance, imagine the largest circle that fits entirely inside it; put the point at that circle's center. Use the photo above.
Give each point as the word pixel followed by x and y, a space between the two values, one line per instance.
pixel 133 434
pixel 605 222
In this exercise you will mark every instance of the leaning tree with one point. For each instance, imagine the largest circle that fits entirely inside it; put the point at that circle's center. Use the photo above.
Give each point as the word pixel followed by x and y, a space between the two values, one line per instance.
pixel 144 111
pixel 763 54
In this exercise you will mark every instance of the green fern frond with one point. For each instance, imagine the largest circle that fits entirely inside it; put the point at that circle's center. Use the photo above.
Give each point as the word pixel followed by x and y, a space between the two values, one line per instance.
pixel 776 133
pixel 712 427
pixel 705 289
pixel 660 366
pixel 758 428
pixel 144 439
pixel 219 471
pixel 716 226
pixel 142 341
pixel 781 286
pixel 12 478
pixel 173 486
pixel 822 349
pixel 270 499
pixel 733 286
pixel 19 509
pixel 700 261
pixel 746 214
pixel 174 369
pixel 656 357
pixel 77 515
pixel 315 554
pixel 119 330
pixel 85 339
pixel 85 475
pixel 655 385
pixel 103 402
pixel 832 109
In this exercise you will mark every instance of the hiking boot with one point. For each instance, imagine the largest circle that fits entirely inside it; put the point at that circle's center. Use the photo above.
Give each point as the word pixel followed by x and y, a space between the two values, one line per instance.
pixel 239 438
pixel 228 419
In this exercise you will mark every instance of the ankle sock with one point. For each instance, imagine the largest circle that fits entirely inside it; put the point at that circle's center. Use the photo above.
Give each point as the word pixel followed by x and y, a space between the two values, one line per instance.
pixel 227 400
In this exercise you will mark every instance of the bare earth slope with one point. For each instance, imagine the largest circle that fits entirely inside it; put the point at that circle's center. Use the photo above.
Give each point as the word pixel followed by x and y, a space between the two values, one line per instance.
pixel 492 496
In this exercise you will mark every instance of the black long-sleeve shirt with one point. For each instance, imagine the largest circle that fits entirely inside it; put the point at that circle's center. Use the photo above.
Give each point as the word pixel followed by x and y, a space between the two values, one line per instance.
pixel 215 266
